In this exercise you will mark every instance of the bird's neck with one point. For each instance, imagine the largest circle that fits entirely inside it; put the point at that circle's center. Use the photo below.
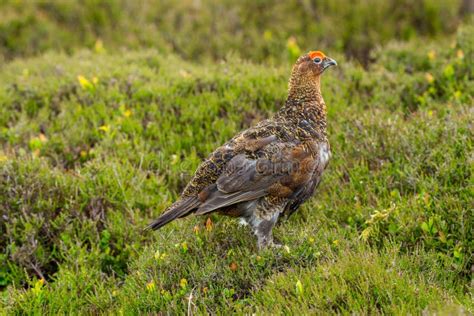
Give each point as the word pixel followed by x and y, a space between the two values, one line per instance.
pixel 305 103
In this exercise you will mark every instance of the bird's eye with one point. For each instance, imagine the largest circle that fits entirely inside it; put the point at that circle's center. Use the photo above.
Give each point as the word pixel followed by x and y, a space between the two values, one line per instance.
pixel 317 60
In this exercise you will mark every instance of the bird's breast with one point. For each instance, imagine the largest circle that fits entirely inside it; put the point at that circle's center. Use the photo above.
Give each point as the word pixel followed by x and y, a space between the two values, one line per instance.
pixel 324 154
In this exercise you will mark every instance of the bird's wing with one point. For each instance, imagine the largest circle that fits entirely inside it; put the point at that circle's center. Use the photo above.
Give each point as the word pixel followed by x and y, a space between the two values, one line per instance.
pixel 263 160
pixel 306 191
pixel 204 180
pixel 303 194
pixel 249 141
pixel 278 170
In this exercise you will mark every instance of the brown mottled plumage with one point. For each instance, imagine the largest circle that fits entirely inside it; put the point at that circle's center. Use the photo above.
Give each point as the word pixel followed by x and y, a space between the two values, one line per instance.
pixel 268 169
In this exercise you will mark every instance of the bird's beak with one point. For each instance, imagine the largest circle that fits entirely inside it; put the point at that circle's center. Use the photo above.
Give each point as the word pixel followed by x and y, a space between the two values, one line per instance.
pixel 328 62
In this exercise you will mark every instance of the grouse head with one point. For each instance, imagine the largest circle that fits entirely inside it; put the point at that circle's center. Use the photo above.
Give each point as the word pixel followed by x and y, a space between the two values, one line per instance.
pixel 306 73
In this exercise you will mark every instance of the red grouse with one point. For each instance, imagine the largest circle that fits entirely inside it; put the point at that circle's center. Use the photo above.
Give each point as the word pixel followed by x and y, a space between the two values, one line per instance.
pixel 269 169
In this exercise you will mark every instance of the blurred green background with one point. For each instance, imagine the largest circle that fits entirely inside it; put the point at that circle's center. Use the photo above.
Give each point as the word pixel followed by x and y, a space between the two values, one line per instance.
pixel 210 29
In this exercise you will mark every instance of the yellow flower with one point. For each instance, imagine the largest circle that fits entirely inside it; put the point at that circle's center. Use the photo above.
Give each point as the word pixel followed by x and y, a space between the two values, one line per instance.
pixel 291 42
pixel 299 288
pixel 84 83
pixel 460 54
pixel 127 113
pixel 160 256
pixel 104 128
pixel 36 143
pixel 431 55
pixel 95 80
pixel 42 138
pixel 183 73
pixel 267 35
pixel 3 157
pixel 429 77
pixel 366 233
pixel 174 159
pixel 37 289
pixel 292 47
pixel 150 286
pixel 99 46
pixel 457 94
pixel 183 283
pixel 336 242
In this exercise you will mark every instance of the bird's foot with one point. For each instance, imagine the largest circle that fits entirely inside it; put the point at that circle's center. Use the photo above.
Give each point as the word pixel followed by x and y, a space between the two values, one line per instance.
pixel 275 245
pixel 269 245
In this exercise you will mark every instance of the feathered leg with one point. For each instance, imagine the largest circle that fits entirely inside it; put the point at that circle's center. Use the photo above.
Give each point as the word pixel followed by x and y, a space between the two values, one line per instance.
pixel 264 218
pixel 264 232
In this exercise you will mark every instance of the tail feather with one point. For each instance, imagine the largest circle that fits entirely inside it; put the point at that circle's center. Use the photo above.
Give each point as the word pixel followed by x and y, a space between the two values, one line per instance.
pixel 178 209
pixel 220 200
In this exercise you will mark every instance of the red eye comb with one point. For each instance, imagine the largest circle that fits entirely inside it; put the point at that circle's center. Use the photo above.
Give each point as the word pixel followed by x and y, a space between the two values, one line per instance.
pixel 313 54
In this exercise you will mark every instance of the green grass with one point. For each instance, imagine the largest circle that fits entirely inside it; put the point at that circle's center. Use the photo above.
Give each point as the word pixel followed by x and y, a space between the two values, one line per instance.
pixel 87 162
pixel 210 29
